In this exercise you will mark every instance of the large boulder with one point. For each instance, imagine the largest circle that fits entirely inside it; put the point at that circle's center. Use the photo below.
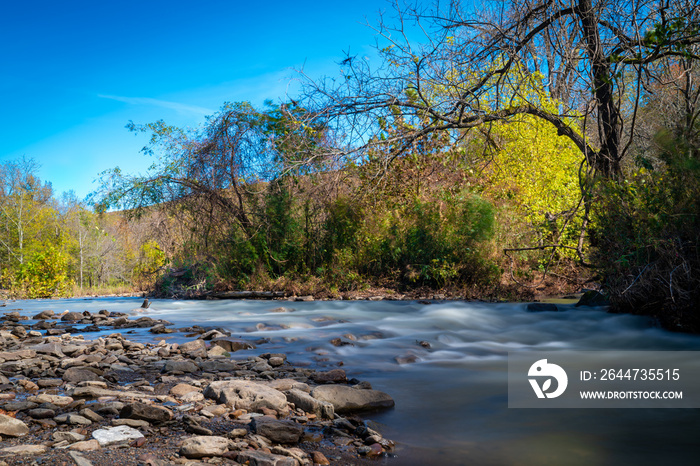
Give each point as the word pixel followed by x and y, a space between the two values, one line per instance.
pixel 346 399
pixel 248 395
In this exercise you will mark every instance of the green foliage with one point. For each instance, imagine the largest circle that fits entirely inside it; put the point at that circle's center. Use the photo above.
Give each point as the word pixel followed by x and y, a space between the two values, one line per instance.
pixel 150 262
pixel 43 276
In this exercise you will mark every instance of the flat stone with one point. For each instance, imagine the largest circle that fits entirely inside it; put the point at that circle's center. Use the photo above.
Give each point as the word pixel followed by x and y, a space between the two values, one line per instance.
pixel 219 365
pixel 58 400
pixel 260 458
pixel 346 399
pixel 79 459
pixel 183 389
pixel 26 450
pixel 81 374
pixel 179 366
pixel 52 349
pixel 201 446
pixel 146 412
pixel 288 432
pixel 12 427
pixel 71 437
pixel 41 413
pixel 332 376
pixel 118 434
pixel 245 394
pixel 72 419
pixel 16 355
pixel 19 405
pixel 136 423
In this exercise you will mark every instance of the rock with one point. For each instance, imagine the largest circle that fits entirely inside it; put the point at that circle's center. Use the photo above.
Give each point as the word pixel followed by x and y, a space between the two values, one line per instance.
pixel 70 437
pixel 146 412
pixel 72 419
pixel 332 376
pixel 12 427
pixel 201 446
pixel 406 359
pixel 194 349
pixel 16 355
pixel 52 349
pixel 347 399
pixel 319 458
pixel 72 317
pixel 182 389
pixel 113 435
pixel 19 405
pixel 276 361
pixel 214 410
pixel 41 413
pixel 260 458
pixel 232 344
pixel 288 432
pixel 135 423
pixel 593 298
pixel 25 450
pixel 309 404
pixel 19 332
pixel 217 351
pixel 219 365
pixel 43 315
pixel 79 459
pixel 49 383
pixel 542 307
pixel 244 394
pixel 81 374
pixel 86 445
pixel 57 400
pixel 90 414
pixel 179 366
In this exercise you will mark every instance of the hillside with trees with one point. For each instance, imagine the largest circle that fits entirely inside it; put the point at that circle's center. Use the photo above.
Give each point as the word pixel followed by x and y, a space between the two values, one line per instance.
pixel 529 148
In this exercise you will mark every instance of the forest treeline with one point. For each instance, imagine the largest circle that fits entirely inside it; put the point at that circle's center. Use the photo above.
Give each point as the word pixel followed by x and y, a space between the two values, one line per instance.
pixel 492 153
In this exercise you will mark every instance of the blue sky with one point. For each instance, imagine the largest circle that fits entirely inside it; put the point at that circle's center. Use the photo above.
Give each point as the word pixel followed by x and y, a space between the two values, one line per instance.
pixel 73 72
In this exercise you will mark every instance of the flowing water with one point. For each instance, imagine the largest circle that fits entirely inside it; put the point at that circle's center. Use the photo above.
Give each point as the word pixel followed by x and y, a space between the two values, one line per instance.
pixel 451 403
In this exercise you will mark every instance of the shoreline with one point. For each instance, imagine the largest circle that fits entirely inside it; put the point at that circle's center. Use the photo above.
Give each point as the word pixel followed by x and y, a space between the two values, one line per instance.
pixel 189 403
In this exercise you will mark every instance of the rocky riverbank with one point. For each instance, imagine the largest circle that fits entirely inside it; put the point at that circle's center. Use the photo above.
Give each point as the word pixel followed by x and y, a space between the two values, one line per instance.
pixel 69 400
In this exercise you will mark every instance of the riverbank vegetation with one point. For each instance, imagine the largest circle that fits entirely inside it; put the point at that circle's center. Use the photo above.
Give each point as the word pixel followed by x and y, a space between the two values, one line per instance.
pixel 540 146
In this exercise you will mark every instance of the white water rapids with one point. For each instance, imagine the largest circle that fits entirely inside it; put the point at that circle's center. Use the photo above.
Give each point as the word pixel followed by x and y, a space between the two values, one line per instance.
pixel 451 404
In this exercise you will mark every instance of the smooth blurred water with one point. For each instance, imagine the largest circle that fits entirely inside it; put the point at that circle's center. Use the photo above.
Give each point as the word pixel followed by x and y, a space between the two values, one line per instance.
pixel 451 404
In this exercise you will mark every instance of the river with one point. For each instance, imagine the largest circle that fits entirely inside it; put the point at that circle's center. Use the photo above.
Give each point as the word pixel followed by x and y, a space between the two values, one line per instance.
pixel 451 403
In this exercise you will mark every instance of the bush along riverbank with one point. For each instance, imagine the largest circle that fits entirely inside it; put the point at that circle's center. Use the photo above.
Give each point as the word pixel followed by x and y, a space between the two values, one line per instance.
pixel 68 400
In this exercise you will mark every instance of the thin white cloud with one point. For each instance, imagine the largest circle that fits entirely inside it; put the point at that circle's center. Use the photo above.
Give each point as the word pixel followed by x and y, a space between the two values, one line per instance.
pixel 176 106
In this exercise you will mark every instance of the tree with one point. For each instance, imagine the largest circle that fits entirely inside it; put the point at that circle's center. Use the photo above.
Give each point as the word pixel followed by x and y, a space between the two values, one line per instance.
pixel 471 69
pixel 24 208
